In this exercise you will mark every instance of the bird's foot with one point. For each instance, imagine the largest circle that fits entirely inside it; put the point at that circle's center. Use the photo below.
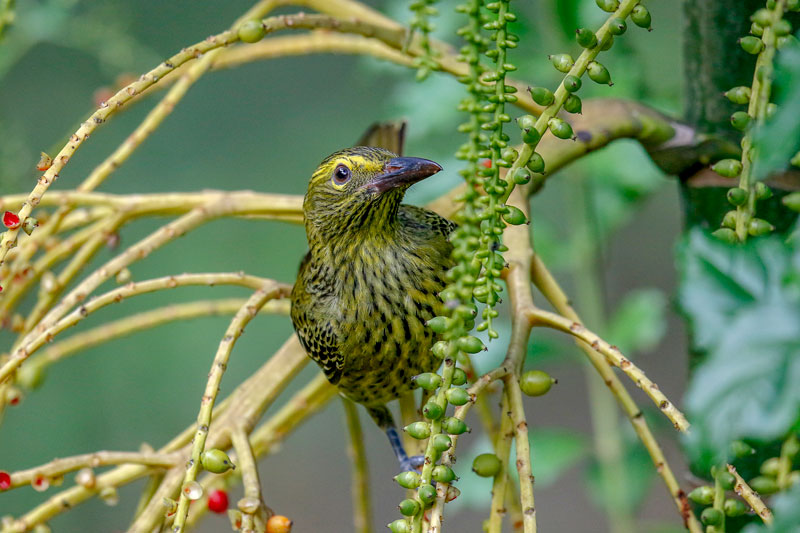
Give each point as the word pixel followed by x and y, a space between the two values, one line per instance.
pixel 412 464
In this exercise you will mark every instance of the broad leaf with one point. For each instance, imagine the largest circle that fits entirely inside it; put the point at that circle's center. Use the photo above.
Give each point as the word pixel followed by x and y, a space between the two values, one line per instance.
pixel 638 324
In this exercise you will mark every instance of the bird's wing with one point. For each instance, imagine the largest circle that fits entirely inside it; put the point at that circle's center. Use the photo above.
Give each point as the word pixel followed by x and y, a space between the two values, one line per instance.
pixel 425 219
pixel 387 135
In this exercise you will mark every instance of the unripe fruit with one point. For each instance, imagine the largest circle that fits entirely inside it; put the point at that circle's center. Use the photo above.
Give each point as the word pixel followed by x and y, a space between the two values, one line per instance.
pixel 791 200
pixel 764 485
pixel 598 73
pixel 739 95
pixel 251 31
pixel 454 426
pixel 757 29
pixel 762 17
pixel 218 501
pixel 727 480
pixel 572 83
pixel 486 465
pixel 469 343
pixel 432 410
pixel 418 430
pixel 409 507
pixel 703 495
pixel 728 168
pixel 407 480
pixel 562 62
pixel 457 396
pixel 641 17
pixel 536 163
pixel 459 377
pixel 439 324
pixel 427 493
pixel 726 235
pixel 740 449
pixel 542 95
pixel 711 516
pixel 399 526
pixel 771 110
pixel 762 191
pixel 521 176
pixel 441 442
pixel 515 217
pixel 573 104
pixel 443 474
pixel 535 382
pixel 560 128
pixel 428 381
pixel 782 27
pixel 737 196
pixel 759 226
pixel 751 45
pixel 740 120
pixel 586 38
pixel 216 461
pixel 608 5
pixel 617 26
pixel 770 467
pixel 734 508
pixel 607 43
pixel 729 221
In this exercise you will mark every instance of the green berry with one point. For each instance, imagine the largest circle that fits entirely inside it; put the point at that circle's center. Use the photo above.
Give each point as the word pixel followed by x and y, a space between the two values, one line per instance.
pixel 510 155
pixel 734 508
pixel 418 430
pixel 737 196
pixel 770 467
pixel 786 40
pixel 542 95
pixel 440 349
pixel 608 6
pixel 703 495
pixel 782 27
pixel 756 29
pixel 216 461
pixel 428 381
pixel 454 426
pixel 399 526
pixel 771 110
pixel 562 62
pixel 486 465
pixel 29 224
pixel 573 104
pixel 409 507
pixel 740 120
pixel 729 220
pixel 441 442
pixel 586 38
pixel 751 45
pixel 572 83
pixel 727 480
pixel 407 480
pixel 740 449
pixel 535 382
pixel 607 43
pixel 432 410
pixel 762 191
pixel 641 17
pixel 598 73
pixel 762 17
pixel 521 176
pixel 791 200
pixel 457 396
pixel 531 136
pixel 469 343
pixel 459 377
pixel 764 485
pixel 711 516
pixel 560 128
pixel 526 122
pixel 439 324
pixel 536 163
pixel 251 31
pixel 739 95
pixel 726 235
pixel 617 26
pixel 728 168
pixel 427 493
pixel 443 474
pixel 759 226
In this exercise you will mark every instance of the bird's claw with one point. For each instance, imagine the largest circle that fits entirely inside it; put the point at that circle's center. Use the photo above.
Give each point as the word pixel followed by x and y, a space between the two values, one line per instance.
pixel 412 464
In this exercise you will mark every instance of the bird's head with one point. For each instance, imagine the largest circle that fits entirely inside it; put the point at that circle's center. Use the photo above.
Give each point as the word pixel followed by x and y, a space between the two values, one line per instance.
pixel 360 188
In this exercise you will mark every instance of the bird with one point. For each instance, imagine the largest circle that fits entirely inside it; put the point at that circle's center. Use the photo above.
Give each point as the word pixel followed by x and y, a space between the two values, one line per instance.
pixel 371 279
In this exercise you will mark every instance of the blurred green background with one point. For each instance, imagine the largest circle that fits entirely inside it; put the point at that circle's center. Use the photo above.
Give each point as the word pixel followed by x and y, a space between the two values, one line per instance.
pixel 265 126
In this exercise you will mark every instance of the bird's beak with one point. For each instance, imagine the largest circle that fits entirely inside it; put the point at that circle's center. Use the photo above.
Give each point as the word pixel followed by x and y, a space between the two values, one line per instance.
pixel 402 172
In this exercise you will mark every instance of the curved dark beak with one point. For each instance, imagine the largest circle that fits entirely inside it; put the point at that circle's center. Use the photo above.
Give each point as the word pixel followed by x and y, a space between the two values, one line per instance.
pixel 402 172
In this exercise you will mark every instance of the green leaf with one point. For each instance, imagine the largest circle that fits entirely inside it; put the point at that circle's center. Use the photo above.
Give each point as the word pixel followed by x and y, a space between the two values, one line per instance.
pixel 743 307
pixel 639 322
pixel 637 475
pixel 786 511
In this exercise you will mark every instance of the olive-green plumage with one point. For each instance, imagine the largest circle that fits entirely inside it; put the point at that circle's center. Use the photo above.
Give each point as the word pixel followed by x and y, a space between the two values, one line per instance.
pixel 372 276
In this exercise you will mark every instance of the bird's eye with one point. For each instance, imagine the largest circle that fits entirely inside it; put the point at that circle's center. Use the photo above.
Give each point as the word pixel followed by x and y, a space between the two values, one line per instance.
pixel 341 175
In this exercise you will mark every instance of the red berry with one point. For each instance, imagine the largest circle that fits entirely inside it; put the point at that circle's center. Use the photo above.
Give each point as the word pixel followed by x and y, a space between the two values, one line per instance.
pixel 5 480
pixel 218 501
pixel 487 163
pixel 10 220
pixel 45 162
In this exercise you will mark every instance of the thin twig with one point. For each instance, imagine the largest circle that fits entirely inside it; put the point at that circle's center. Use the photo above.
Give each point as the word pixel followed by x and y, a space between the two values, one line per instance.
pixel 362 508
pixel 254 511
pixel 502 449
pixel 524 468
pixel 750 496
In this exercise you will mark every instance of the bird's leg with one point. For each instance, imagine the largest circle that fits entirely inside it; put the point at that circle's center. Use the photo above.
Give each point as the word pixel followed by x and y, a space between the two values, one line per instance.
pixel 384 419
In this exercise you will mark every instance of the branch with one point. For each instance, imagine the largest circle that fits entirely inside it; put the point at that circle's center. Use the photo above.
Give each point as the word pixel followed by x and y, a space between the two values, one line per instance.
pixel 252 505
pixel 362 508
pixel 750 496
